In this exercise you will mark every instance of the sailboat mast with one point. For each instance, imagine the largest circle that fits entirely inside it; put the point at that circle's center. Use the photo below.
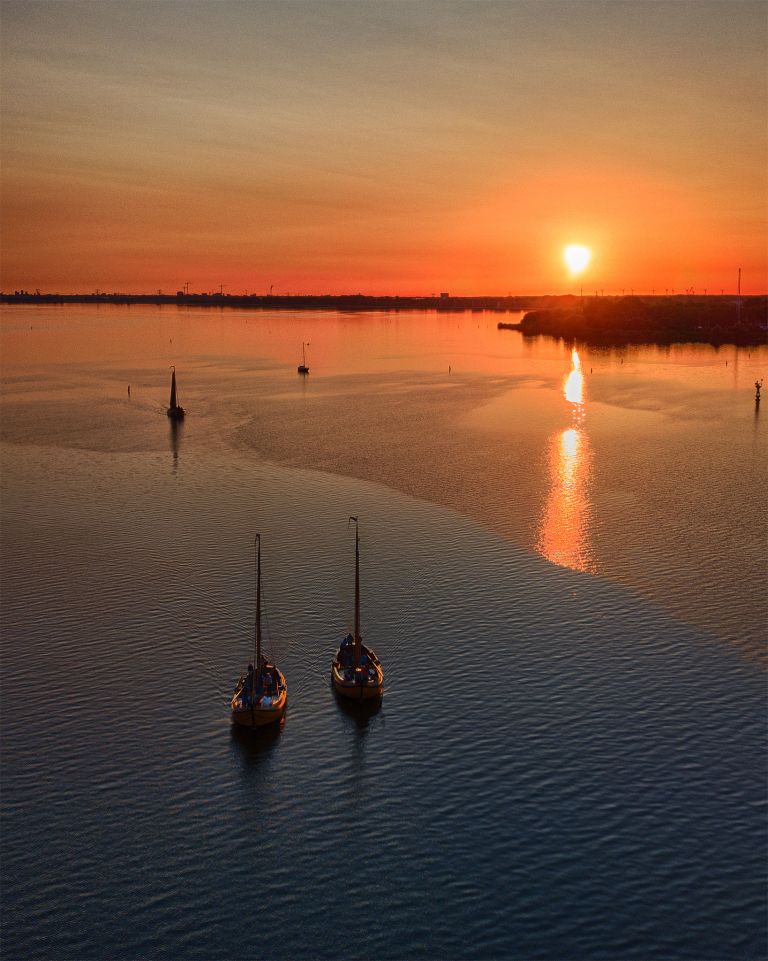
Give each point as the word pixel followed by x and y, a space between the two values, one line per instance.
pixel 303 355
pixel 257 665
pixel 173 388
pixel 358 640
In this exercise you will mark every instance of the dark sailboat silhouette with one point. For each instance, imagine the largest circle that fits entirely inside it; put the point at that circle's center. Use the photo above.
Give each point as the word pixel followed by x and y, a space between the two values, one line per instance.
pixel 175 412
pixel 356 672
pixel 303 369
pixel 261 693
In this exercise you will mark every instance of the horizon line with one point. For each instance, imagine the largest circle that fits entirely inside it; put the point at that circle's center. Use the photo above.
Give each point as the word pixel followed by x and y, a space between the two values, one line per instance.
pixel 357 295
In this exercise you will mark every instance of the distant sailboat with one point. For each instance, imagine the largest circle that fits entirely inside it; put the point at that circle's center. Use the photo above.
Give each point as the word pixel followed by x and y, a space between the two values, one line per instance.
pixel 174 411
pixel 303 369
pixel 261 693
pixel 356 672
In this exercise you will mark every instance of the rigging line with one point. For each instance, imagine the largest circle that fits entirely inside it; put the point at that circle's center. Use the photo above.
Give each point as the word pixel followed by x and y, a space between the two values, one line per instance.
pixel 264 611
pixel 269 633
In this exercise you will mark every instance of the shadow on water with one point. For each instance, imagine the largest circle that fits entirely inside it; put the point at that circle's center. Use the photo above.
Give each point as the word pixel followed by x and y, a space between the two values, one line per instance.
pixel 254 746
pixel 360 712
pixel 357 717
pixel 177 431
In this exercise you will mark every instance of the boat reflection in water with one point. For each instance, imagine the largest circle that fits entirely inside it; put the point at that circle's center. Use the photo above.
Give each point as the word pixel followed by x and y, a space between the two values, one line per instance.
pixel 360 711
pixel 563 536
pixel 177 430
pixel 253 746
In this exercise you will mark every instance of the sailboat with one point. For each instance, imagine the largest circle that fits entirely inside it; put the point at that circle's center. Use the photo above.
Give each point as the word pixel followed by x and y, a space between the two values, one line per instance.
pixel 303 369
pixel 356 672
pixel 261 692
pixel 174 411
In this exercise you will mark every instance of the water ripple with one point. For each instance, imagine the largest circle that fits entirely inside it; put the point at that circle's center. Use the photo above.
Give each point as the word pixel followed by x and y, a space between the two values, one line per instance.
pixel 558 768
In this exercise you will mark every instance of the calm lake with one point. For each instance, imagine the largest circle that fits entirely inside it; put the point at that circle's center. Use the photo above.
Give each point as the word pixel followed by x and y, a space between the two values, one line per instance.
pixel 563 563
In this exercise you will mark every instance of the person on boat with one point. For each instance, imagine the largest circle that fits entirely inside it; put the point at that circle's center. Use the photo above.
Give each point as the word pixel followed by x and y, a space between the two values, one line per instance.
pixel 362 675
pixel 347 651
pixel 248 686
pixel 264 676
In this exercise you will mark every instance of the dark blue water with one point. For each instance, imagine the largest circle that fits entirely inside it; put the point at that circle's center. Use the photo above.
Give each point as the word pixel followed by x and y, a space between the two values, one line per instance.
pixel 558 770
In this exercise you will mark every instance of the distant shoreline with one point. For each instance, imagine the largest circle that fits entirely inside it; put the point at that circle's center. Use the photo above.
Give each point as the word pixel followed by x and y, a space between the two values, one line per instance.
pixel 715 319
pixel 287 301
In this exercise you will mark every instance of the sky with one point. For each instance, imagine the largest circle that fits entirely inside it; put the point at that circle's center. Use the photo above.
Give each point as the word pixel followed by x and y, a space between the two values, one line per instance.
pixel 384 147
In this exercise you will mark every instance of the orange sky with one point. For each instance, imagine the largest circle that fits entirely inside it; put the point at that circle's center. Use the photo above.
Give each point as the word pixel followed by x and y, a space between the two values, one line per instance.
pixel 384 147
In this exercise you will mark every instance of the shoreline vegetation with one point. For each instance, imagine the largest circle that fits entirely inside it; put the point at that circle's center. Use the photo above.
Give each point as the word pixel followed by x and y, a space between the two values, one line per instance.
pixel 714 319
pixel 610 320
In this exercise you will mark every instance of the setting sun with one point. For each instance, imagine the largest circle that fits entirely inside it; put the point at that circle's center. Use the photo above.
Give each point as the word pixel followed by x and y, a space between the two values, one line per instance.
pixel 577 257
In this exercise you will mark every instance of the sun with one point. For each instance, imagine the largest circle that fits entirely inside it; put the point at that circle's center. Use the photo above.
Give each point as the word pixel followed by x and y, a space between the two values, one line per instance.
pixel 577 257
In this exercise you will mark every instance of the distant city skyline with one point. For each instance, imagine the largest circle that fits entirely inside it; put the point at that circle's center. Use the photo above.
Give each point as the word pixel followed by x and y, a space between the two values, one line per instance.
pixel 384 148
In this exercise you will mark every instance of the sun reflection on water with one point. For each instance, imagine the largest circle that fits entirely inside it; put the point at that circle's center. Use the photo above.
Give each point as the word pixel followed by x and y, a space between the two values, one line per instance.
pixel 574 382
pixel 563 536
